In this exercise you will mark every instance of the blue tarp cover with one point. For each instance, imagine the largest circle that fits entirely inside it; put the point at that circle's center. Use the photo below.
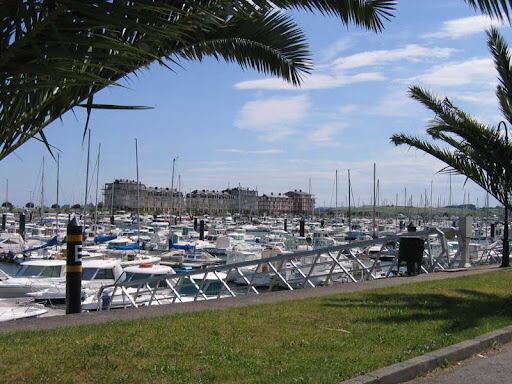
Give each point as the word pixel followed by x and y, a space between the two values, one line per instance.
pixel 186 247
pixel 127 247
pixel 53 241
pixel 102 239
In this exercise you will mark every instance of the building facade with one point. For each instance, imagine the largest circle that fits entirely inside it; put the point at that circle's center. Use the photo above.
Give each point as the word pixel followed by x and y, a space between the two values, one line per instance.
pixel 301 202
pixel 274 204
pixel 122 195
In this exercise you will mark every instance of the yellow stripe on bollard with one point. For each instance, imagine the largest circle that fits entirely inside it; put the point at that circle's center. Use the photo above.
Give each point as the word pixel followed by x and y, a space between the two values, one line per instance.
pixel 74 268
pixel 74 238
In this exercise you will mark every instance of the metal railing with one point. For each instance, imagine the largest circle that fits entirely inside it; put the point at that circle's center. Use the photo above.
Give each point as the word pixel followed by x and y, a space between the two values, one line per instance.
pixel 306 269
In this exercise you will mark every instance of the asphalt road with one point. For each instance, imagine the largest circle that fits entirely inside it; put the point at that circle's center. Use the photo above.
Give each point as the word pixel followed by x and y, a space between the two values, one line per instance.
pixel 492 367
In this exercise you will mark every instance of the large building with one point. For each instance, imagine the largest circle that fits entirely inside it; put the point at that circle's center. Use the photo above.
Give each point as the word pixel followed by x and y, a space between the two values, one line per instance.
pixel 274 204
pixel 301 202
pixel 122 195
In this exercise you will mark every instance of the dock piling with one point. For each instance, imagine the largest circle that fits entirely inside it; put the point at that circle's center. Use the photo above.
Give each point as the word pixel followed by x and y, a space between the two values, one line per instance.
pixel 74 239
pixel 201 230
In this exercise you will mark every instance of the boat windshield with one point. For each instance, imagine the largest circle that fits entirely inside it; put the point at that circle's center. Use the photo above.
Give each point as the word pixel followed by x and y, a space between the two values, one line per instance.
pixel 39 271
pixel 88 273
pixel 30 271
pixel 134 276
pixel 104 274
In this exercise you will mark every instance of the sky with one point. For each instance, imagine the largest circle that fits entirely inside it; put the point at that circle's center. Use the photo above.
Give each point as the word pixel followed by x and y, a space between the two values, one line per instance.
pixel 228 126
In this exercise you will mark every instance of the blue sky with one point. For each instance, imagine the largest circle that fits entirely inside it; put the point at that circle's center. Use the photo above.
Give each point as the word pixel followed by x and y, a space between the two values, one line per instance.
pixel 230 126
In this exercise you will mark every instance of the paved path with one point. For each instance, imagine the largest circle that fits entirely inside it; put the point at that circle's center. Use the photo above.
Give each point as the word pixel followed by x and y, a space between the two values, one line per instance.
pixel 264 298
pixel 493 367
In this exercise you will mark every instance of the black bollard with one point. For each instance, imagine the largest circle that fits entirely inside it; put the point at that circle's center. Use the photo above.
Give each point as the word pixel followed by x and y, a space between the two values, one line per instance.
pixel 302 229
pixel 195 224
pixel 74 239
pixel 4 221
pixel 286 225
pixel 493 230
pixel 201 230
pixel 22 225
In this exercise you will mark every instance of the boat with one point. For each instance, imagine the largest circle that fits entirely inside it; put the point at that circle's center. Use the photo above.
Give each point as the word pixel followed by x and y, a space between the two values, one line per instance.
pixel 95 274
pixel 33 276
pixel 115 298
pixel 14 311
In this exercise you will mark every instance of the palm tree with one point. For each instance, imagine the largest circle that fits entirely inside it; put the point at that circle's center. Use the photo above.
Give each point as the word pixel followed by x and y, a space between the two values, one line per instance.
pixel 55 55
pixel 469 147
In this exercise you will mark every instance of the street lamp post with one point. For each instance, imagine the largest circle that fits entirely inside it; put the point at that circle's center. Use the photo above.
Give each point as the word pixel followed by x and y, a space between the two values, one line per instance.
pixel 505 261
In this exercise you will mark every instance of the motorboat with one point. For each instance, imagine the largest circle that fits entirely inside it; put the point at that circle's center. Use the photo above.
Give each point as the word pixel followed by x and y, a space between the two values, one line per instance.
pixel 14 311
pixel 116 298
pixel 95 274
pixel 33 276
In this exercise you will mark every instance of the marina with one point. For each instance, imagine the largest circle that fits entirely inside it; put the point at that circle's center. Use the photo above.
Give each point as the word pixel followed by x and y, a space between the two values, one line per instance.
pixel 130 261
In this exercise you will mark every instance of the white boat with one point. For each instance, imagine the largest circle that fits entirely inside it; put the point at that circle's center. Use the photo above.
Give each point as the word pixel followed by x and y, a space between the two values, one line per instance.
pixel 11 243
pixel 14 311
pixel 95 274
pixel 33 276
pixel 130 274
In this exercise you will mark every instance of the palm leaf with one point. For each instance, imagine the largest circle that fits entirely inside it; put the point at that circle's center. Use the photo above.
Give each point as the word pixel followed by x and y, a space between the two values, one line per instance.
pixel 499 9
pixel 55 55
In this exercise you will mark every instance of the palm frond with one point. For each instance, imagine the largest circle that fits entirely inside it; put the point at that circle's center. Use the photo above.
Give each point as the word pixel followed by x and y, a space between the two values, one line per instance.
pixel 368 14
pixel 55 54
pixel 499 9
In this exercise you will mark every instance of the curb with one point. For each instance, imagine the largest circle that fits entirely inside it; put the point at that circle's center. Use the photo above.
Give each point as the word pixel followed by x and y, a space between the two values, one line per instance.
pixel 420 365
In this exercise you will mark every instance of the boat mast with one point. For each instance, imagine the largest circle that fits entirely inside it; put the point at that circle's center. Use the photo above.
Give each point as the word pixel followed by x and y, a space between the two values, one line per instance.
pixel 172 191
pixel 179 195
pixel 112 198
pixel 97 185
pixel 313 207
pixel 138 189
pixel 349 200
pixel 87 177
pixel 42 194
pixel 336 193
pixel 239 201
pixel 431 202
pixel 57 210
pixel 374 234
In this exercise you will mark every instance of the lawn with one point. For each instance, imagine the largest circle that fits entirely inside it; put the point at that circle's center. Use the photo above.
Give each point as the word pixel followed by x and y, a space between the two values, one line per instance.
pixel 323 340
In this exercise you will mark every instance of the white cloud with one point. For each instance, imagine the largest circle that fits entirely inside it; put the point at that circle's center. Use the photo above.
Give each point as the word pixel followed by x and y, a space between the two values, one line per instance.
pixel 397 104
pixel 273 118
pixel 474 70
pixel 463 27
pixel 348 108
pixel 315 81
pixel 326 135
pixel 411 52
pixel 486 97
pixel 337 47
pixel 270 151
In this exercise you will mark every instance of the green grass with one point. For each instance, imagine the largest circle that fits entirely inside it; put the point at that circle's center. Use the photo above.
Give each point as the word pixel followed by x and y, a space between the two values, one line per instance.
pixel 322 340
